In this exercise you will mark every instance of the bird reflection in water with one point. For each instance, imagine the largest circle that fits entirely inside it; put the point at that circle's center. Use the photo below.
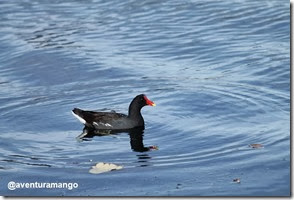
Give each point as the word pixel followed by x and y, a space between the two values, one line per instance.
pixel 136 138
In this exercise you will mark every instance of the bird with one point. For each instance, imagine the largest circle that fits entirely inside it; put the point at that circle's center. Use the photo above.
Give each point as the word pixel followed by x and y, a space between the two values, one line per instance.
pixel 112 120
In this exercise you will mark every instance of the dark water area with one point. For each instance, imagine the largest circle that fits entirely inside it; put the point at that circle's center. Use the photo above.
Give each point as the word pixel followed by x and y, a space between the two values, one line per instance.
pixel 219 72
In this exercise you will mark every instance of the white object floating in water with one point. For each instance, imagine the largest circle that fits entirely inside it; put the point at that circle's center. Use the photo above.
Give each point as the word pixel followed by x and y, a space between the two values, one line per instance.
pixel 237 180
pixel 256 146
pixel 104 167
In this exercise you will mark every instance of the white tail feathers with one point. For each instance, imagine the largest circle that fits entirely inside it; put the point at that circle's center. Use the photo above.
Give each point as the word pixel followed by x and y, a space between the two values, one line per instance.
pixel 79 118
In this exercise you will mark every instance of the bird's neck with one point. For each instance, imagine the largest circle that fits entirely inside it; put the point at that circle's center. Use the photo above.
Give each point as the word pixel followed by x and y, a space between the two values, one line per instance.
pixel 135 112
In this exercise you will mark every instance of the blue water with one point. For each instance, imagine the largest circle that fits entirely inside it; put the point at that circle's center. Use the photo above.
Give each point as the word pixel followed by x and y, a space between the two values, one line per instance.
pixel 219 72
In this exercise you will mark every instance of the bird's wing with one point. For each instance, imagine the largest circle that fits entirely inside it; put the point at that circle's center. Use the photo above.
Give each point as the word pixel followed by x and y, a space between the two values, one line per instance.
pixel 102 120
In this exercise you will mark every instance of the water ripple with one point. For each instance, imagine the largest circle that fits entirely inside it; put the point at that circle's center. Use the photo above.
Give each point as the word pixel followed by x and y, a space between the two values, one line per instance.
pixel 218 72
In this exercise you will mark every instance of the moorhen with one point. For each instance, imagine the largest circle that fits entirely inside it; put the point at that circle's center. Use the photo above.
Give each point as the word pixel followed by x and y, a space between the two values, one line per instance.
pixel 113 120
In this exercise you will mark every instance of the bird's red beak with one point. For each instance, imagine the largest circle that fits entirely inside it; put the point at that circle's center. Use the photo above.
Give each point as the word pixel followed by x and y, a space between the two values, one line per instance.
pixel 149 102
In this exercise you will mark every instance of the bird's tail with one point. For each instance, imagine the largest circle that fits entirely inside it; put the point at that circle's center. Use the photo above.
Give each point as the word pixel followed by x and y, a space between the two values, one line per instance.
pixel 77 111
pixel 78 114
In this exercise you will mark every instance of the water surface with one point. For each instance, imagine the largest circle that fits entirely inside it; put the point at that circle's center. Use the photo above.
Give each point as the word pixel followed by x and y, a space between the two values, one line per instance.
pixel 219 72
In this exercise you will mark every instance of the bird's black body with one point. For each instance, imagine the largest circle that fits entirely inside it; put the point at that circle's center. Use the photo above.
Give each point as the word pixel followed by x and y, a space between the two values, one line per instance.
pixel 113 120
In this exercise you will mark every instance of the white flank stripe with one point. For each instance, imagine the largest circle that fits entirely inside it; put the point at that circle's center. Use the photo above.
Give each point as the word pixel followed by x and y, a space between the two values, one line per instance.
pixel 79 118
pixel 95 123
pixel 102 124
pixel 108 124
